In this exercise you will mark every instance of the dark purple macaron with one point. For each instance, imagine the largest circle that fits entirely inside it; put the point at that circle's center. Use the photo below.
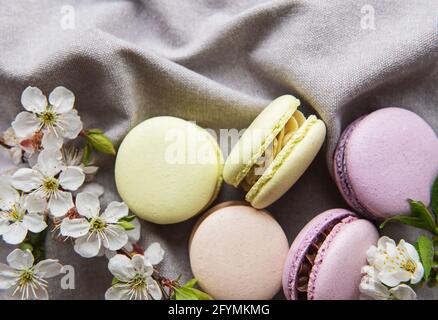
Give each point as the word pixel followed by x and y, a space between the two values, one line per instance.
pixel 385 158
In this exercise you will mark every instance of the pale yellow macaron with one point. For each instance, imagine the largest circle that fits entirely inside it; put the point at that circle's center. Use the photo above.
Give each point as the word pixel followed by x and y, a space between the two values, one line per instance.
pixel 274 151
pixel 168 170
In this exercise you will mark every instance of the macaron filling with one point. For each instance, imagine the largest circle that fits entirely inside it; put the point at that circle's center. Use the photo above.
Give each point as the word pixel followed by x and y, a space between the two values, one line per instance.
pixel 304 281
pixel 286 134
pixel 341 171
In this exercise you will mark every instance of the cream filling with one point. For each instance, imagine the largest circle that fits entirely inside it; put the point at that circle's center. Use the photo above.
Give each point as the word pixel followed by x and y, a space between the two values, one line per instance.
pixel 308 263
pixel 279 142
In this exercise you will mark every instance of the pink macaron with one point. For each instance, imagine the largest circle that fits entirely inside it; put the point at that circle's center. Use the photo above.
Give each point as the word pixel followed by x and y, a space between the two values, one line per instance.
pixel 385 158
pixel 325 260
pixel 238 252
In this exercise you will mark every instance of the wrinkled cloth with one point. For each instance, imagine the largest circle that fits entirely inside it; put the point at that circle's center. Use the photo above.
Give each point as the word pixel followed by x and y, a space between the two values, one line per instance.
pixel 219 62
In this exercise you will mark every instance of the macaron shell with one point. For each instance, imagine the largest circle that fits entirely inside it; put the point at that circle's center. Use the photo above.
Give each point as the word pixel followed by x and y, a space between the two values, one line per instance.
pixel 257 137
pixel 336 274
pixel 392 156
pixel 157 185
pixel 282 174
pixel 341 173
pixel 212 210
pixel 302 241
pixel 238 252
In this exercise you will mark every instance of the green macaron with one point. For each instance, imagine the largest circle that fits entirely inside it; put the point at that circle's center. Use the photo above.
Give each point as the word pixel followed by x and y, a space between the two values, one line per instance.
pixel 168 170
pixel 274 151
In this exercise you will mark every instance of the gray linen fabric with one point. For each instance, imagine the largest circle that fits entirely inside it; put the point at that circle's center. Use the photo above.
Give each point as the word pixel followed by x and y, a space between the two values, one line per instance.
pixel 219 62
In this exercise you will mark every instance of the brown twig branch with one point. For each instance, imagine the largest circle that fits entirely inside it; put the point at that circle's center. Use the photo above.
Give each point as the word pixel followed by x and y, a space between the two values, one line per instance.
pixel 4 144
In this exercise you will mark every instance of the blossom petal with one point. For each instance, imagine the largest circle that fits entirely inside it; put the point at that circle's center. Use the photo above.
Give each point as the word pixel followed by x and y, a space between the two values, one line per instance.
pixel 139 263
pixel 410 250
pixel 116 237
pixel 93 188
pixel 4 226
pixel 62 100
pixel 154 289
pixel 373 289
pixel 25 124
pixel 8 197
pixel 7 163
pixel 35 203
pixel 20 259
pixel 134 234
pixel 154 253
pixel 369 271
pixel 33 100
pixel 8 276
pixel 34 222
pixel 88 246
pixel 403 292
pixel 51 140
pixel 60 203
pixel 27 179
pixel 392 278
pixel 49 162
pixel 385 242
pixel 371 253
pixel 117 293
pixel 115 211
pixel 16 233
pixel 90 170
pixel 121 267
pixel 70 125
pixel 87 204
pixel 75 227
pixel 48 268
pixel 418 273
pixel 71 178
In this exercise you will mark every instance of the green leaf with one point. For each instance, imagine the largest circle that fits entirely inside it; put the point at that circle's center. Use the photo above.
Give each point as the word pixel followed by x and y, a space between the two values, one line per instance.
pixel 100 142
pixel 94 130
pixel 188 292
pixel 419 210
pixel 190 284
pixel 87 154
pixel 408 220
pixel 26 246
pixel 434 197
pixel 426 252
pixel 185 293
pixel 128 218
pixel 126 225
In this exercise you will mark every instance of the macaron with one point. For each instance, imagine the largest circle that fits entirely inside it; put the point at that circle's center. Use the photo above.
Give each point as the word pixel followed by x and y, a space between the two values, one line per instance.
pixel 238 252
pixel 168 170
pixel 325 260
pixel 274 151
pixel 385 158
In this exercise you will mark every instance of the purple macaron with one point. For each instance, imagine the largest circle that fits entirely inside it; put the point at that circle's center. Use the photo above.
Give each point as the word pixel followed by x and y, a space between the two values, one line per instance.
pixel 325 259
pixel 385 158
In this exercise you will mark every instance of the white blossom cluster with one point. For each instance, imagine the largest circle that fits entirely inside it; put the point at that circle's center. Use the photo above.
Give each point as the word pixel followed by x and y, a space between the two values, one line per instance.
pixel 392 269
pixel 44 176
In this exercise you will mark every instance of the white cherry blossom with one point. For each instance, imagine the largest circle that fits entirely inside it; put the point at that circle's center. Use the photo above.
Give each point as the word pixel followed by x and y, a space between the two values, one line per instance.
pixel 21 279
pixel 94 230
pixel 55 118
pixel 50 182
pixel 134 279
pixel 395 264
pixel 15 218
